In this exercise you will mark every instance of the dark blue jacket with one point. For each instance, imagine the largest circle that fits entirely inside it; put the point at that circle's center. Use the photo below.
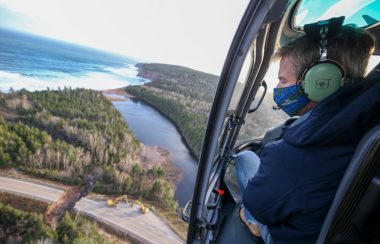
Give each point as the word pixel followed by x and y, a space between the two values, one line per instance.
pixel 299 174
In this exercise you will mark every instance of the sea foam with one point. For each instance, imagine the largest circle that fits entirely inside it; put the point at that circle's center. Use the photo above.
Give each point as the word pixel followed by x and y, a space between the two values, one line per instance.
pixel 114 78
pixel 130 70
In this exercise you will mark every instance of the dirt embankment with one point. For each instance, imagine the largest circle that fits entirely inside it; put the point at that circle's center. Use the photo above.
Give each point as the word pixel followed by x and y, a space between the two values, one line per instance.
pixel 120 92
pixel 66 202
pixel 117 91
pixel 115 99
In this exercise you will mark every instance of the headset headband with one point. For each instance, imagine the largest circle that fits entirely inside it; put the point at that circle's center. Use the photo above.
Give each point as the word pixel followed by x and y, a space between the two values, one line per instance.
pixel 324 29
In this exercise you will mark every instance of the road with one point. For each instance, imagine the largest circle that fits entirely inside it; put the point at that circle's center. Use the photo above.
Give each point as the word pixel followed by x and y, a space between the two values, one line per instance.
pixel 147 228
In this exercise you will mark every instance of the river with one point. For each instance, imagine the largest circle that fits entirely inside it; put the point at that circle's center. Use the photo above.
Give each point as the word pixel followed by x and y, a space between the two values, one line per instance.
pixel 153 129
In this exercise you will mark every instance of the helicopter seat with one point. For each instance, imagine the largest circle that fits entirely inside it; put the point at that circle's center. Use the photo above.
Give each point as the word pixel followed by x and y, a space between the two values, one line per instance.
pixel 354 213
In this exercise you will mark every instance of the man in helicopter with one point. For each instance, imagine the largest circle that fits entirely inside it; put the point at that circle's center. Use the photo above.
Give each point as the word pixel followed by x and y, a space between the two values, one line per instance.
pixel 289 186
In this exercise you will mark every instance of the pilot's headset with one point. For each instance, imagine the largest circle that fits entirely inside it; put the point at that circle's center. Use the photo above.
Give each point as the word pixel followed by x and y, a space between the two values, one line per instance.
pixel 325 76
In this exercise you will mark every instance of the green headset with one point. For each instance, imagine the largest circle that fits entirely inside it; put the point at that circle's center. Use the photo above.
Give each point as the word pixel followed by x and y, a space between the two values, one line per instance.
pixel 325 76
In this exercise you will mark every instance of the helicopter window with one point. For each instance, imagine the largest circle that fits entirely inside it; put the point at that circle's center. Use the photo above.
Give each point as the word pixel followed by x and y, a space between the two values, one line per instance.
pixel 243 76
pixel 237 93
pixel 257 123
pixel 362 13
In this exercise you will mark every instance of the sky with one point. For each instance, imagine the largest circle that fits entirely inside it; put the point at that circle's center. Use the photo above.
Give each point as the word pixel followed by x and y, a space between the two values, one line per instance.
pixel 195 34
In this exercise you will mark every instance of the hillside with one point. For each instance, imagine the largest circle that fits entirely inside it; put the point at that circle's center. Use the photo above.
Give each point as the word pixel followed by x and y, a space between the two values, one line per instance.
pixel 73 135
pixel 185 96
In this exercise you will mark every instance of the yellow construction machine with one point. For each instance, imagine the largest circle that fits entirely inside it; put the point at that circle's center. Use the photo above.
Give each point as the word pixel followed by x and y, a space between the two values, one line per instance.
pixel 113 202
pixel 143 209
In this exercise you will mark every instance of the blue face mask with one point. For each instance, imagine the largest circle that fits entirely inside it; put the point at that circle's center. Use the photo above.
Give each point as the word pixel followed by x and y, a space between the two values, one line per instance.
pixel 290 99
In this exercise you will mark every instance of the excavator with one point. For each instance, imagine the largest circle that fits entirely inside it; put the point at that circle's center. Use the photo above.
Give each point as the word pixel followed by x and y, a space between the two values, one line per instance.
pixel 143 209
pixel 114 202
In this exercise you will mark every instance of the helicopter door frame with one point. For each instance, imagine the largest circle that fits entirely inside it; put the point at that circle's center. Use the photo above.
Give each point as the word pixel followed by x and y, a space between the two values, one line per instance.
pixel 257 14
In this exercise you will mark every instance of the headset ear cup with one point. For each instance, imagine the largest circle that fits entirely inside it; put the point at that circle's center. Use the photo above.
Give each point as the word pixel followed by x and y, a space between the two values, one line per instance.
pixel 321 79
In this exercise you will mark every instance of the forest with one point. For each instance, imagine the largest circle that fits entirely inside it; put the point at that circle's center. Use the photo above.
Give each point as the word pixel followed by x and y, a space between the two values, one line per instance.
pixel 70 135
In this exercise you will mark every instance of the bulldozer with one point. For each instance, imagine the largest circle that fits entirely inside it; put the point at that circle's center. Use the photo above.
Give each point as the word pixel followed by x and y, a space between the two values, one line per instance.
pixel 114 202
pixel 143 209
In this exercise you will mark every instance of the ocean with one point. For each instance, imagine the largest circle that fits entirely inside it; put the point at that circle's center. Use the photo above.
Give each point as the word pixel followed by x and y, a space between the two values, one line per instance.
pixel 36 63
